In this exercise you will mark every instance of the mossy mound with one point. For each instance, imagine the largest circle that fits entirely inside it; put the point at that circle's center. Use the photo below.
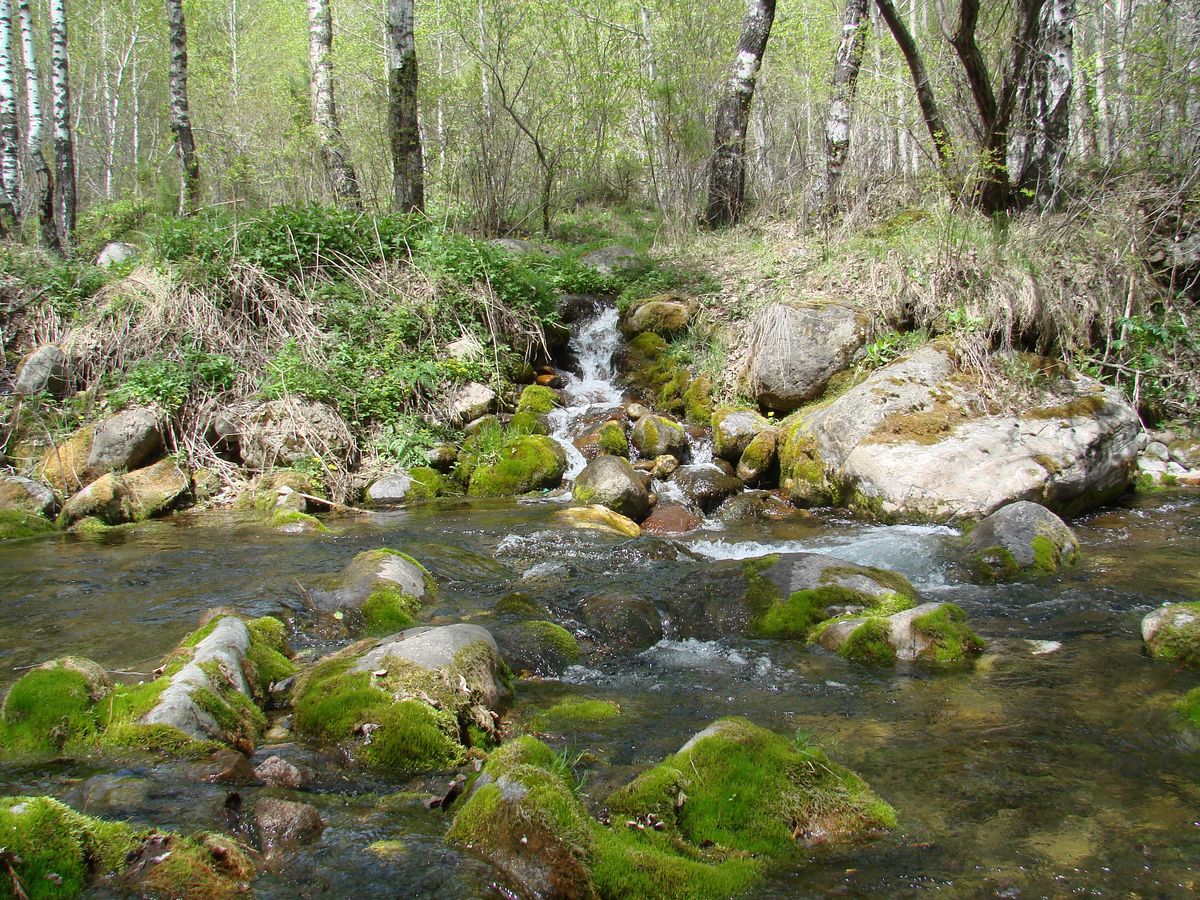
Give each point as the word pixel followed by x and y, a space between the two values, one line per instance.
pixel 575 713
pixel 803 473
pixel 1020 538
pixel 525 463
pixel 15 523
pixel 55 852
pixel 650 367
pixel 543 648
pixel 1172 633
pixel 538 400
pixel 932 632
pixel 291 521
pixel 613 440
pixel 1189 707
pixel 733 801
pixel 427 484
pixel 381 592
pixel 827 589
pixel 402 716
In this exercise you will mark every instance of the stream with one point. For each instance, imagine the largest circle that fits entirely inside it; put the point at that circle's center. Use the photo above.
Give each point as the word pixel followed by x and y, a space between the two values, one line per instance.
pixel 1052 765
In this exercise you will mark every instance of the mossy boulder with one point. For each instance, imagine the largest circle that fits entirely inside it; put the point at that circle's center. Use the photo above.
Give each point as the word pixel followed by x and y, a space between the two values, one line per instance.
pixel 524 463
pixel 65 466
pixel 666 314
pixel 415 485
pixel 598 518
pixel 612 440
pixel 1021 538
pixel 931 632
pixel 612 482
pixel 381 592
pixel 574 714
pixel 707 822
pixel 543 648
pixel 1172 633
pixel 656 435
pixel 132 497
pixel 25 495
pixel 538 400
pixel 283 490
pixel 412 702
pixel 734 429
pixel 56 852
pixel 758 462
pixel 789 596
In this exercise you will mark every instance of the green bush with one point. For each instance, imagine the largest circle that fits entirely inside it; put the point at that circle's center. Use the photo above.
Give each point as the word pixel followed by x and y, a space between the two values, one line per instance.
pixel 168 382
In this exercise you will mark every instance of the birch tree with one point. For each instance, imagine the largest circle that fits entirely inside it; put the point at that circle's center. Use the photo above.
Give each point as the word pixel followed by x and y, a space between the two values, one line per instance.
pixel 727 167
pixel 334 153
pixel 10 168
pixel 404 135
pixel 64 146
pixel 43 181
pixel 181 119
pixel 844 84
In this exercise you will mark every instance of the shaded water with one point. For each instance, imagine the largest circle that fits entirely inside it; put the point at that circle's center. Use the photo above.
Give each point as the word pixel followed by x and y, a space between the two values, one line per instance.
pixel 1051 766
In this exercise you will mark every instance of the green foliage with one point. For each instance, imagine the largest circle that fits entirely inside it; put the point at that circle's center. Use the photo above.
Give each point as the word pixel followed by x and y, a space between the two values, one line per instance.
pixel 63 286
pixel 887 348
pixel 116 220
pixel 17 524
pixel 168 381
pixel 575 713
pixel 406 441
pixel 1189 707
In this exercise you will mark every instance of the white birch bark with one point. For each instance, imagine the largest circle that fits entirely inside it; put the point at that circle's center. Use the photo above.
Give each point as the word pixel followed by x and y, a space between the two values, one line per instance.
pixel 334 152
pixel 64 146
pixel 10 167
pixel 34 132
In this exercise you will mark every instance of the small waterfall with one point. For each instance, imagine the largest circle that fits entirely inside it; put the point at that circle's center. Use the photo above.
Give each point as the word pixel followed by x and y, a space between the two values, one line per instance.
pixel 594 390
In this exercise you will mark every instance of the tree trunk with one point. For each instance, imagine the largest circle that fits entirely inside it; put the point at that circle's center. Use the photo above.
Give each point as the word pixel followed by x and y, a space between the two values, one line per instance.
pixel 924 87
pixel 1037 147
pixel 408 177
pixel 324 110
pixel 10 139
pixel 181 119
pixel 43 181
pixel 727 169
pixel 64 148
pixel 846 66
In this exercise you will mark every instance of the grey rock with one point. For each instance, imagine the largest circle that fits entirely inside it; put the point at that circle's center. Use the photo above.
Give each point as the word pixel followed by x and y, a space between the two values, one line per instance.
pixel 284 823
pixel 26 495
pixel 115 253
pixel 799 349
pixel 284 432
pixel 45 369
pixel 519 247
pixel 1157 450
pixel 733 430
pixel 611 481
pixel 706 487
pixel 613 260
pixel 654 436
pixel 126 441
pixel 909 643
pixel 1010 535
pixel 391 488
pixel 471 402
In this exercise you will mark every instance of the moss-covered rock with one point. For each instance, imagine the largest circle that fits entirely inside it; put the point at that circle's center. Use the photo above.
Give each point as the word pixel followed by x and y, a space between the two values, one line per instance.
pixel 612 440
pixel 1021 538
pixel 599 518
pixel 612 482
pixel 657 435
pixel 523 464
pixel 1172 633
pixel 574 714
pixel 538 400
pixel 1189 707
pixel 665 314
pixel 734 429
pixel 541 647
pixel 789 597
pixel 399 704
pixel 757 464
pixel 416 485
pixel 15 523
pixel 381 592
pixel 803 473
pixel 931 632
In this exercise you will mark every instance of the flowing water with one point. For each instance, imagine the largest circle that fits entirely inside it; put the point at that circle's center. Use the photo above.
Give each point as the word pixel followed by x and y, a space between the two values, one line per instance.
pixel 1051 766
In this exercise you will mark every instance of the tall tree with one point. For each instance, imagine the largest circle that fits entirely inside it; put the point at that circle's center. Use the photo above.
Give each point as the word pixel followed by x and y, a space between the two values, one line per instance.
pixel 1037 147
pixel 10 139
pixel 64 146
pixel 35 129
pixel 846 65
pixel 334 152
pixel 181 118
pixel 727 167
pixel 408 169
pixel 922 84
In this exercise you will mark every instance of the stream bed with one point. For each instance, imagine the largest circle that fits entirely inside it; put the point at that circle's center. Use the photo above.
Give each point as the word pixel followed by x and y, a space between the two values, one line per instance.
pixel 1052 765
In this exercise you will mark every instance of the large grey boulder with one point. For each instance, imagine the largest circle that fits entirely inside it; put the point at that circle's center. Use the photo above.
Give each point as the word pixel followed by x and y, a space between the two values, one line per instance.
pixel 126 441
pixel 734 429
pixel 910 442
pixel 1018 538
pixel 115 253
pixel 519 247
pixel 284 432
pixel 45 369
pixel 655 436
pixel 611 481
pixel 798 349
pixel 706 487
pixel 613 260
pixel 471 402
pixel 26 495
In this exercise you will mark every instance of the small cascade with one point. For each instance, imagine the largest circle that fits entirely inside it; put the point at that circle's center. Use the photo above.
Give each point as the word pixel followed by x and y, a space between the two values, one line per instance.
pixel 594 390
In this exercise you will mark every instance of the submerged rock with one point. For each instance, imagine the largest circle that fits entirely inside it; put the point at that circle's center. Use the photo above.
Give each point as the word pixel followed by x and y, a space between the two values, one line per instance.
pixel 612 482
pixel 543 648
pixel 707 822
pixel 599 518
pixel 275 771
pixel 622 621
pixel 706 487
pixel 408 703
pixel 283 823
pixel 932 632
pixel 671 518
pixel 799 348
pixel 381 592
pixel 907 442
pixel 1019 538
pixel 1172 633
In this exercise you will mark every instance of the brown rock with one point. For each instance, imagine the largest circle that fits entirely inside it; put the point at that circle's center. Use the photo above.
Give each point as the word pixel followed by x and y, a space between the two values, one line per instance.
pixel 671 518
pixel 283 823
pixel 275 771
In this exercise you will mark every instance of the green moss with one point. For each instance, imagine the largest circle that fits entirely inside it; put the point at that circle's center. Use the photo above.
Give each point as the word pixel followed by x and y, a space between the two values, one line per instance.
pixel 60 852
pixel 648 866
pixel 46 711
pixel 368 556
pixel 613 440
pixel 526 463
pixel 282 518
pixel 697 400
pixel 1189 707
pixel 893 581
pixel 17 524
pixel 994 564
pixel 550 643
pixel 204 866
pixel 413 737
pixel 270 665
pixel 1180 644
pixel 517 604
pixel 271 633
pixel 235 714
pixel 947 627
pixel 164 739
pixel 869 643
pixel 332 702
pixel 538 400
pixel 801 468
pixel 576 713
pixel 427 484
pixel 528 423
pixel 795 617
pixel 1081 407
pixel 1048 556
pixel 388 610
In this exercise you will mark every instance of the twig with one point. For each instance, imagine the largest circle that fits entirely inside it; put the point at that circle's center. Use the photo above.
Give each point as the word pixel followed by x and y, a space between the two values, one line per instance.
pixel 338 506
